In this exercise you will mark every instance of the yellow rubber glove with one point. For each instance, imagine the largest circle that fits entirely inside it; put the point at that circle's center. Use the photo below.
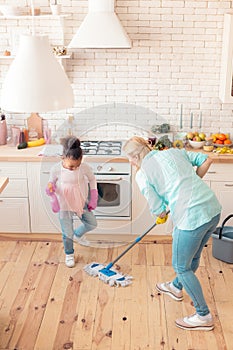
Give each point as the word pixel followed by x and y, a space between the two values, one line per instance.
pixel 161 220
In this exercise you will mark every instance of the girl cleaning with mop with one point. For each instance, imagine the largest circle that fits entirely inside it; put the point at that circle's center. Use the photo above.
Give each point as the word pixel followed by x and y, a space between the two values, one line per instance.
pixel 172 178
pixel 72 180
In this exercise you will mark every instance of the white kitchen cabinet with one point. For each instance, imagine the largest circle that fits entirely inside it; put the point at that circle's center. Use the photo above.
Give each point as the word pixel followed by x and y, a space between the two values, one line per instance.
pixel 14 215
pixel 43 220
pixel 224 192
pixel 14 206
pixel 220 177
pixel 226 76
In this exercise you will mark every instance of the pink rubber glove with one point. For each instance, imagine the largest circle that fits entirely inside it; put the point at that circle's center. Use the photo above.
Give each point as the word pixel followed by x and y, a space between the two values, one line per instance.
pixel 50 190
pixel 93 200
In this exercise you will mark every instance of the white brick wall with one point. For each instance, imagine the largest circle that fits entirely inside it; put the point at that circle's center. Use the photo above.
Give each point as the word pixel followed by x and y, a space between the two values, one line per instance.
pixel 175 59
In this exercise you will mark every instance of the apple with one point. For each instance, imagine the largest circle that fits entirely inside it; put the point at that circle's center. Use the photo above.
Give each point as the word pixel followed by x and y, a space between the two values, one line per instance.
pixel 190 135
pixel 197 139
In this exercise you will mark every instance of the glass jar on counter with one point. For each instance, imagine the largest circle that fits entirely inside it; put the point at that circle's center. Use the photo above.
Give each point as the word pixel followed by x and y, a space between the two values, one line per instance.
pixel 208 146
pixel 32 134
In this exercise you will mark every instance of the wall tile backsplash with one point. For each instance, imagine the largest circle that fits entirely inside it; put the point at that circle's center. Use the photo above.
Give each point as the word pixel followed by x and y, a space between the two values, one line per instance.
pixel 175 60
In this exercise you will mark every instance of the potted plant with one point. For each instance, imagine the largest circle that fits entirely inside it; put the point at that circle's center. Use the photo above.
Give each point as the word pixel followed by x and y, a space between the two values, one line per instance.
pixel 55 7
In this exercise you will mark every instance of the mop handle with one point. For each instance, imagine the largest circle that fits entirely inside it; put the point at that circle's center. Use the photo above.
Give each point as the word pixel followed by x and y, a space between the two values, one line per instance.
pixel 138 239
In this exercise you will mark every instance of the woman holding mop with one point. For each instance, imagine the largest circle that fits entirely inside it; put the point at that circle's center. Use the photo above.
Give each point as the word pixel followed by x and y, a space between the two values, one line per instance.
pixel 172 178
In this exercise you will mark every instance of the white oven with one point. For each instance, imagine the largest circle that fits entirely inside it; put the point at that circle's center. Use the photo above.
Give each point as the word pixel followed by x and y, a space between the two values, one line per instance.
pixel 114 190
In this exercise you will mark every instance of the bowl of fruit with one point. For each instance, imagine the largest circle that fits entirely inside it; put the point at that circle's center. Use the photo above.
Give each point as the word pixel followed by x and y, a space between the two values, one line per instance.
pixel 195 139
pixel 221 140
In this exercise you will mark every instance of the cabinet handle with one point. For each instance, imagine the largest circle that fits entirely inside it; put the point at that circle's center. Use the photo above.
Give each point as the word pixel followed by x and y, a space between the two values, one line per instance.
pixel 228 185
pixel 45 172
pixel 211 172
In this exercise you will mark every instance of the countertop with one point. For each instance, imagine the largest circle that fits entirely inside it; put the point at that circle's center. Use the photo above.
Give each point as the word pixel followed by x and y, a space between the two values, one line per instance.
pixel 217 157
pixel 12 154
pixel 30 154
pixel 3 182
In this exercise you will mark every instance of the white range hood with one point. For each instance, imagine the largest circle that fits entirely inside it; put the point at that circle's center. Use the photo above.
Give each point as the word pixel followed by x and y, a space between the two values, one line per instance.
pixel 101 28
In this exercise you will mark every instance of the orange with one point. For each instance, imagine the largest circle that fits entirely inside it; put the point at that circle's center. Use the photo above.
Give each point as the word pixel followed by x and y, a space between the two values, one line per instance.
pixel 219 142
pixel 227 142
pixel 222 137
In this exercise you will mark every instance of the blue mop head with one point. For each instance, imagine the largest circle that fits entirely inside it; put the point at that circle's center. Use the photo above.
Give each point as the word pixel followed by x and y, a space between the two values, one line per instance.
pixel 93 269
pixel 107 275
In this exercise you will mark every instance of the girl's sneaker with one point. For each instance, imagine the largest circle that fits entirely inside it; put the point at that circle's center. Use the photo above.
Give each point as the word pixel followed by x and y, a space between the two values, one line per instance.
pixel 196 322
pixel 169 289
pixel 70 260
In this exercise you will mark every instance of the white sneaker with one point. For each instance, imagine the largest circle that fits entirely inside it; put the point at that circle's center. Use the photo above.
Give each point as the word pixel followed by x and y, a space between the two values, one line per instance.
pixel 169 289
pixel 196 322
pixel 70 260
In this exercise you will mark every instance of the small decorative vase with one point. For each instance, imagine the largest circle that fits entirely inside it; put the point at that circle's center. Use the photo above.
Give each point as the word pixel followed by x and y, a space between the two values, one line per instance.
pixel 56 9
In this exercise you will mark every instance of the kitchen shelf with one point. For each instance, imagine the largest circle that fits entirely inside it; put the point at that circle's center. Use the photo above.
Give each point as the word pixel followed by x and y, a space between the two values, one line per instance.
pixel 61 59
pixel 42 16
pixel 226 76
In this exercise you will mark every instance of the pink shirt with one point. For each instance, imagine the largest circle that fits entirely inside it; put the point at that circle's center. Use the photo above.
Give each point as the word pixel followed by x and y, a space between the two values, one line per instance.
pixel 72 186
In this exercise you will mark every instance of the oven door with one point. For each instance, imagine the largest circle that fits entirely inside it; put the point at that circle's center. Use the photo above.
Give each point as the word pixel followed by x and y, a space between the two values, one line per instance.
pixel 114 200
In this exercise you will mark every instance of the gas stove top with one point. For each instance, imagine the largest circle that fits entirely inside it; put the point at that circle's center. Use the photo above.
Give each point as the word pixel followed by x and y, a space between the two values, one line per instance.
pixel 103 148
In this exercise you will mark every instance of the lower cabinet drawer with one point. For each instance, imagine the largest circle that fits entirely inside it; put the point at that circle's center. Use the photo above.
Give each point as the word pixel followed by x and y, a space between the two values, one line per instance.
pixel 14 213
pixel 14 170
pixel 15 188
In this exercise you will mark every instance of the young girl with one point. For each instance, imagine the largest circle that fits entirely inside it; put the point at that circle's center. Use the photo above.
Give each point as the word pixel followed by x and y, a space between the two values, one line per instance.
pixel 172 178
pixel 73 182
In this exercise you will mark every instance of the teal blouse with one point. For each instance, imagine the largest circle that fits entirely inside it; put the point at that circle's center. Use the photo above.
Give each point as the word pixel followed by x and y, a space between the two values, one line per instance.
pixel 168 179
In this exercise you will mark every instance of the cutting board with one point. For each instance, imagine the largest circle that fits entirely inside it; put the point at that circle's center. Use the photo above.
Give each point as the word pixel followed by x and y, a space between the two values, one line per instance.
pixel 35 122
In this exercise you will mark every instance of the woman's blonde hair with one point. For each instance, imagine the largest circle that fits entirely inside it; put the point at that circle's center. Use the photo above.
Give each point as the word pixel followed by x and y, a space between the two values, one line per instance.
pixel 137 146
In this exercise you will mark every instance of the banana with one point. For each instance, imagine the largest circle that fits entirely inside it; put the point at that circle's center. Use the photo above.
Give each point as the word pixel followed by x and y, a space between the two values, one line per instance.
pixel 224 150
pixel 35 143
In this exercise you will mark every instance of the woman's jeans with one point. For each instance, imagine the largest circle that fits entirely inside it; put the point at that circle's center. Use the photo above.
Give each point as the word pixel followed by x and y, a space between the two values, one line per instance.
pixel 66 220
pixel 186 251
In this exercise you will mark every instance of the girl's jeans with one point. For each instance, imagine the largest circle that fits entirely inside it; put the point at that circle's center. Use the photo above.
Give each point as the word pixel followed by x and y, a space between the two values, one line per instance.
pixel 186 251
pixel 66 220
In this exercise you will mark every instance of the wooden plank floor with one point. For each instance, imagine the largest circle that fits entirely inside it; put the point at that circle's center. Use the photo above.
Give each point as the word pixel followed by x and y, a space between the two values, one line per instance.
pixel 45 305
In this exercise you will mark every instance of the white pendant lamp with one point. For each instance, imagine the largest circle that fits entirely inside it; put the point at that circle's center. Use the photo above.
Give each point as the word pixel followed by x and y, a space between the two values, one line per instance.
pixel 101 28
pixel 36 82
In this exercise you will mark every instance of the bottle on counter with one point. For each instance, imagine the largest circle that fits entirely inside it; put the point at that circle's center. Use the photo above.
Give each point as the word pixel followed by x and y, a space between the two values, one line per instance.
pixel 208 146
pixel 25 131
pixel 32 134
pixel 3 130
pixel 21 136
pixel 15 132
pixel 46 132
